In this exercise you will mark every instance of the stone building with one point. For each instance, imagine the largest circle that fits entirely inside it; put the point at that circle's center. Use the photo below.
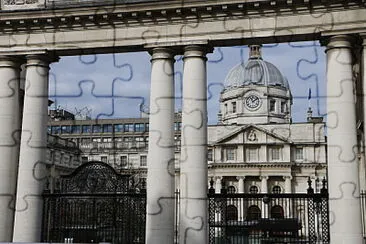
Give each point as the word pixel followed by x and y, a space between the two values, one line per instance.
pixel 255 147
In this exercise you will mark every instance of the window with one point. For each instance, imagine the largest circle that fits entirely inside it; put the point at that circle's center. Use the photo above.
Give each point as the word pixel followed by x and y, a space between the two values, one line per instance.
pixel 49 129
pixel 177 126
pixel 97 128
pixel 253 189
pixel 299 153
pixel 254 213
pixel 252 154
pixel 86 128
pixel 55 129
pixel 276 190
pixel 76 129
pixel 143 160
pixel 65 129
pixel 103 159
pixel 118 128
pixel 226 111
pixel 277 212
pixel 230 154
pixel 107 129
pixel 124 161
pixel 272 105
pixel 177 142
pixel 283 107
pixel 275 153
pixel 234 107
pixel 84 160
pixel 107 139
pixel 231 213
pixel 146 127
pixel 128 127
pixel 209 155
pixel 96 140
pixel 139 127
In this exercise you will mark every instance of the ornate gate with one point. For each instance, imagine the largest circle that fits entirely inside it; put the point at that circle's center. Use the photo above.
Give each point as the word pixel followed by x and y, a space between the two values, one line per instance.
pixel 94 204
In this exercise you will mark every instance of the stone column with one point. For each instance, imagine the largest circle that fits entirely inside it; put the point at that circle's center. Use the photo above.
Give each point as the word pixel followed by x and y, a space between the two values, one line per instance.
pixel 32 171
pixel 264 189
pixel 345 210
pixel 160 160
pixel 363 139
pixel 9 142
pixel 193 165
pixel 241 204
pixel 240 184
pixel 218 185
pixel 288 190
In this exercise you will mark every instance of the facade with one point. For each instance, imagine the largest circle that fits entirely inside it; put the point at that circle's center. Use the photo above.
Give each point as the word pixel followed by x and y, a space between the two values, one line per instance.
pixel 254 148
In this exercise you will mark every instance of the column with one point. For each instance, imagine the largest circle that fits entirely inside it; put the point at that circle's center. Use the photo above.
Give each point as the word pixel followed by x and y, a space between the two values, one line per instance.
pixel 345 210
pixel 264 189
pixel 288 190
pixel 193 166
pixel 160 160
pixel 241 203
pixel 32 171
pixel 218 184
pixel 9 142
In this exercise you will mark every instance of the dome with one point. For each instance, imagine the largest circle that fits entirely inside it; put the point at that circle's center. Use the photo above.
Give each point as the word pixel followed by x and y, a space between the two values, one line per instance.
pixel 255 71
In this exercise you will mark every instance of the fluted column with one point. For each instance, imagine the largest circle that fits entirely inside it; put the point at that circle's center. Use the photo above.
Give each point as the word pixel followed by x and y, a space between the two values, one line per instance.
pixel 264 189
pixel 342 143
pixel 9 142
pixel 160 159
pixel 193 166
pixel 32 172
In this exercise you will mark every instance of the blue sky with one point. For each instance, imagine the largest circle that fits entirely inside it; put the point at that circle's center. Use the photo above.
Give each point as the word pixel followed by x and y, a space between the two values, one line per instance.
pixel 114 85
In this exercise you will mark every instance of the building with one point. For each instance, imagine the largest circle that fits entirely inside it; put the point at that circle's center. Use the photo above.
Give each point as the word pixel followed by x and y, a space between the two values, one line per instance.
pixel 255 147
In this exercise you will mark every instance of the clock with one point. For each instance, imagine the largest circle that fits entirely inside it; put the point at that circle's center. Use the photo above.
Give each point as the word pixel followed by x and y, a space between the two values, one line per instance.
pixel 252 101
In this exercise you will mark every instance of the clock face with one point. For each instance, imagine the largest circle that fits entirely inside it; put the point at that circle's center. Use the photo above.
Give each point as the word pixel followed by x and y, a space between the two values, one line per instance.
pixel 252 102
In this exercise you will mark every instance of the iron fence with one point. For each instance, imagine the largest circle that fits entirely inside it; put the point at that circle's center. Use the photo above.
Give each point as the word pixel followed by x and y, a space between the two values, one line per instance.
pixel 268 218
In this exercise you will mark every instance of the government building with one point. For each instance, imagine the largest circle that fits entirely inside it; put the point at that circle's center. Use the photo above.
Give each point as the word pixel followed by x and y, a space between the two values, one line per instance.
pixel 254 147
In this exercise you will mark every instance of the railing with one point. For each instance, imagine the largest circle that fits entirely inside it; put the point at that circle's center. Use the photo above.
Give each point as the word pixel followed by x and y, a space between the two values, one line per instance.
pixel 269 218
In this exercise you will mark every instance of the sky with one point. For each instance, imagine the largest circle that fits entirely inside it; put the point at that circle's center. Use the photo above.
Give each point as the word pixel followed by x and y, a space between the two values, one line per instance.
pixel 114 85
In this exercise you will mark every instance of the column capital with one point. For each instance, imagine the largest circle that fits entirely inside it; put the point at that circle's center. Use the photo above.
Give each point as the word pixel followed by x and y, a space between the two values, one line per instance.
pixel 263 177
pixel 240 177
pixel 41 59
pixel 339 41
pixel 197 51
pixel 11 61
pixel 162 53
pixel 216 178
pixel 287 177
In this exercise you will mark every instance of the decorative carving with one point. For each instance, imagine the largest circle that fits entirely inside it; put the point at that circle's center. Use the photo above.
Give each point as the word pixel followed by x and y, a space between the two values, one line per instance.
pixel 95 177
pixel 252 136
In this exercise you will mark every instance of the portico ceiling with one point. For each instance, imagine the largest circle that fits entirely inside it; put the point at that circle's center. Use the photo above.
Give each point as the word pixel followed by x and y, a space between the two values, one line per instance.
pixel 81 29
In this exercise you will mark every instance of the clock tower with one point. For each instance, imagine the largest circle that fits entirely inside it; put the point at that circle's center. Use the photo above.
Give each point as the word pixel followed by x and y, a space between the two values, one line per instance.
pixel 255 92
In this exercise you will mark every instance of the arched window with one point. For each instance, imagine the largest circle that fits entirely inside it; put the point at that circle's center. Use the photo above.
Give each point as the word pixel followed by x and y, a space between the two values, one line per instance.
pixel 276 190
pixel 253 190
pixel 231 213
pixel 254 213
pixel 231 189
pixel 277 212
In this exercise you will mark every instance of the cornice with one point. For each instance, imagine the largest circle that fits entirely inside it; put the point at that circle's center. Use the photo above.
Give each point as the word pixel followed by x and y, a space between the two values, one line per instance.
pixel 153 13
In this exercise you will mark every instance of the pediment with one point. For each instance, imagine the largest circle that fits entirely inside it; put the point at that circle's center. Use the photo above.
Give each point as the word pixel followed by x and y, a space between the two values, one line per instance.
pixel 252 134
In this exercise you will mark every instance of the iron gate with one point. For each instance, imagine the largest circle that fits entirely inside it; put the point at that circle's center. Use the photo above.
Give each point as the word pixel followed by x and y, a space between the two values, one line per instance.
pixel 268 218
pixel 94 204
